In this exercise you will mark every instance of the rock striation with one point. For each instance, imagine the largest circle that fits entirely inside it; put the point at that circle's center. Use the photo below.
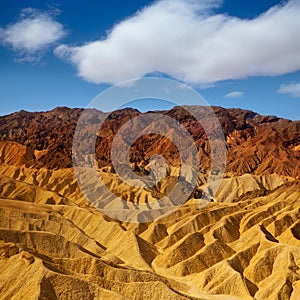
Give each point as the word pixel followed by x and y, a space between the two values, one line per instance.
pixel 242 244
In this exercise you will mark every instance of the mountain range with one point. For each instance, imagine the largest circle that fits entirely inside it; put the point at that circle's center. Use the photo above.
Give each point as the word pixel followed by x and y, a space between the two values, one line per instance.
pixel 243 243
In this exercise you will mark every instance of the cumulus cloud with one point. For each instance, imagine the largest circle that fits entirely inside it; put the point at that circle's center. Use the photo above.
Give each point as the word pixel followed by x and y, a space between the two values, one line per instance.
pixel 185 39
pixel 32 34
pixel 235 94
pixel 292 89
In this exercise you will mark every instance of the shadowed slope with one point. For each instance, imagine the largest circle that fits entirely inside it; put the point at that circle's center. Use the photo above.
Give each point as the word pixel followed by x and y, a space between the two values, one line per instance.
pixel 54 244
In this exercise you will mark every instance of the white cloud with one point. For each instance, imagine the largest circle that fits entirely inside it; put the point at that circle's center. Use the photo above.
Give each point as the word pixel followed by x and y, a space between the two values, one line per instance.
pixel 293 89
pixel 235 94
pixel 30 36
pixel 186 40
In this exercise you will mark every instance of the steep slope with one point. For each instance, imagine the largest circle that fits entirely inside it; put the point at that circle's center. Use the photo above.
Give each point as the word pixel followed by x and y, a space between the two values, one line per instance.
pixel 256 144
pixel 243 244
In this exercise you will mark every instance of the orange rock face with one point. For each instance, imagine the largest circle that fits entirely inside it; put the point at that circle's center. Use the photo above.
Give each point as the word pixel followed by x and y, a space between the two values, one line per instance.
pixel 234 239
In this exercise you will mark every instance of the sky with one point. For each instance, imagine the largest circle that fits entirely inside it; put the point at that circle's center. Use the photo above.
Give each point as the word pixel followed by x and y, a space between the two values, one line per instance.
pixel 243 54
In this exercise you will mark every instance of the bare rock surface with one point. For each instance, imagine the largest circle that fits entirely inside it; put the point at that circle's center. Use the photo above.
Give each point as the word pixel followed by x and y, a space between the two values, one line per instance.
pixel 243 244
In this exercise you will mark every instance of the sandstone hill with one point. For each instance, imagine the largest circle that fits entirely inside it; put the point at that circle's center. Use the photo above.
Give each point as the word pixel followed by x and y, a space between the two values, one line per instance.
pixel 244 243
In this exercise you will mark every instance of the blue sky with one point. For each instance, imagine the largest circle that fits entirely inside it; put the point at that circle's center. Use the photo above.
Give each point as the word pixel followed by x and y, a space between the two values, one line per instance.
pixel 235 53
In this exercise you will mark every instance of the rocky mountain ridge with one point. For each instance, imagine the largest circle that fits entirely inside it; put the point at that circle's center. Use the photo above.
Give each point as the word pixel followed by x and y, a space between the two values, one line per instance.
pixel 242 244
pixel 255 144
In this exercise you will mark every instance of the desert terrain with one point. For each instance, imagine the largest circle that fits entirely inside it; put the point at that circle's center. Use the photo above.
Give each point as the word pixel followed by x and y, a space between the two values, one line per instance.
pixel 242 243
